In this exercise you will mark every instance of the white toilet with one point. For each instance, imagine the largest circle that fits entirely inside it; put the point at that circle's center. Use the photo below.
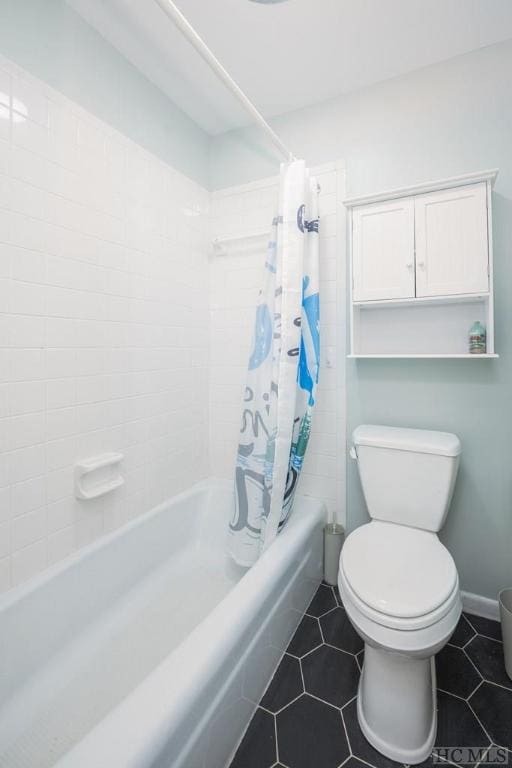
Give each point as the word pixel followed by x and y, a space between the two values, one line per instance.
pixel 399 584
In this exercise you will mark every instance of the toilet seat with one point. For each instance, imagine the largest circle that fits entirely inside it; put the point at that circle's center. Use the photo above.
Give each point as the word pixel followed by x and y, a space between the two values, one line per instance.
pixel 400 577
pixel 351 603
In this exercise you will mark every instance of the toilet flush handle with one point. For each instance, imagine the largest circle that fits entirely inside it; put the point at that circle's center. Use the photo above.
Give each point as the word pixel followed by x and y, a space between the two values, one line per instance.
pixel 353 452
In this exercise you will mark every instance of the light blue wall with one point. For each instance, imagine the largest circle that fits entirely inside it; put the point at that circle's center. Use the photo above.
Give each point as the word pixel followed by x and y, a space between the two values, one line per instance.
pixel 444 120
pixel 52 42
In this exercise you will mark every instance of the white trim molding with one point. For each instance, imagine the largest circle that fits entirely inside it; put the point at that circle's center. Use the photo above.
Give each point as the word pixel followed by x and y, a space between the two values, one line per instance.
pixel 420 189
pixel 480 606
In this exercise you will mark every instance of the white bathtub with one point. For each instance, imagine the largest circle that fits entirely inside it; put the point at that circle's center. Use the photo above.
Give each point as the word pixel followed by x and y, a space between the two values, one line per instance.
pixel 150 648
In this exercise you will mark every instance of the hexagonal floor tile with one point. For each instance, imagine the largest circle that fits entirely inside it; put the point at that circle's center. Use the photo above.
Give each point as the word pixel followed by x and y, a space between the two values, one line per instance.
pixel 331 675
pixel 258 747
pixel 310 733
pixel 306 637
pixel 353 762
pixel 487 656
pixel 322 602
pixel 359 746
pixel 463 633
pixel 486 627
pixel 493 705
pixel 285 686
pixel 338 631
pixel 455 673
pixel 457 726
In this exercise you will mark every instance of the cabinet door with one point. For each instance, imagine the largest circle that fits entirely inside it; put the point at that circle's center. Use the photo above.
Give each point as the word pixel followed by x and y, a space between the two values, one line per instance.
pixel 452 253
pixel 383 250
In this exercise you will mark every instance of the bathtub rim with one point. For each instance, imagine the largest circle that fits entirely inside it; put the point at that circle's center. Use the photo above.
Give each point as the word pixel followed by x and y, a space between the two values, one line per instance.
pixel 20 591
pixel 151 707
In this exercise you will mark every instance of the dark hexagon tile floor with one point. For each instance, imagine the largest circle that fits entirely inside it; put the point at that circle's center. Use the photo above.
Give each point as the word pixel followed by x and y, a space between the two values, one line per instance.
pixel 307 718
pixel 492 704
pixel 487 656
pixel 331 675
pixel 486 627
pixel 258 748
pixel 455 672
pixel 311 733
pixel 463 633
pixel 285 686
pixel 323 601
pixel 307 637
pixel 338 631
pixel 457 725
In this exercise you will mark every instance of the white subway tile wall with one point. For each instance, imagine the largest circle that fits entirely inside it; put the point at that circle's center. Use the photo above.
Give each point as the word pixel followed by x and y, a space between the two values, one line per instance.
pixel 103 324
pixel 235 279
pixel 112 337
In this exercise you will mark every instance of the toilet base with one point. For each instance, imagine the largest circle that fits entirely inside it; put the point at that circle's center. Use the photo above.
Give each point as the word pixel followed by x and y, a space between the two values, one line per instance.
pixel 396 704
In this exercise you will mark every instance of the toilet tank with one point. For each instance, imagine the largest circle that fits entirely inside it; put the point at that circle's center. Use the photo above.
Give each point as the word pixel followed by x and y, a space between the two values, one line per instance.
pixel 407 475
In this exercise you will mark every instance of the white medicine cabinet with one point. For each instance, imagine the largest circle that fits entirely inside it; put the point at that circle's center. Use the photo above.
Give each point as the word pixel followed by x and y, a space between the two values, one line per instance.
pixel 421 269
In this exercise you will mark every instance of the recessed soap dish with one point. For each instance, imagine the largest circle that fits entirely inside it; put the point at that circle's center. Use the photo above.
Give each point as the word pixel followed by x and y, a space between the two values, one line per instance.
pixel 98 475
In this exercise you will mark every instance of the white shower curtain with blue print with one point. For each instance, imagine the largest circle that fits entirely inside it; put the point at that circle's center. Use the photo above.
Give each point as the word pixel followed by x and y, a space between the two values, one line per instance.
pixel 283 372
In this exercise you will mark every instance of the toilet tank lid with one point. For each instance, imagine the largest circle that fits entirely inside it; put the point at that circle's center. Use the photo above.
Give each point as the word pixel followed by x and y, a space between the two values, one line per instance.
pixel 404 439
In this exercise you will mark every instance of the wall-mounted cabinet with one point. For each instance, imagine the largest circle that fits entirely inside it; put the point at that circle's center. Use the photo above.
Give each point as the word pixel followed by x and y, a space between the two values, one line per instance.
pixel 383 250
pixel 421 269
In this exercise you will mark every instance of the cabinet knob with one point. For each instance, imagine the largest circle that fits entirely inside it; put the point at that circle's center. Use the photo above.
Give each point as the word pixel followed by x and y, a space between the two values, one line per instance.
pixel 421 264
pixel 409 265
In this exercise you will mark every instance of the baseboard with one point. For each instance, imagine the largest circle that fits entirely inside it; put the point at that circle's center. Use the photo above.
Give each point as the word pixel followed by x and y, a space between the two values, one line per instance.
pixel 480 606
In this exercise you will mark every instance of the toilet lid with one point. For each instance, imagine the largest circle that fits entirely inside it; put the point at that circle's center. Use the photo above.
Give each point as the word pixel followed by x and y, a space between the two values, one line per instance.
pixel 398 570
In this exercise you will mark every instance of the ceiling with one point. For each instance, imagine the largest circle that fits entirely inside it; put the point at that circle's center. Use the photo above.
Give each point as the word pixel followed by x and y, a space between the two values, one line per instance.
pixel 289 55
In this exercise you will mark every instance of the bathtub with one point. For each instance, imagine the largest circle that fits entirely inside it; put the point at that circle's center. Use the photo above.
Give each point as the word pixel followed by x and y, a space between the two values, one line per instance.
pixel 150 648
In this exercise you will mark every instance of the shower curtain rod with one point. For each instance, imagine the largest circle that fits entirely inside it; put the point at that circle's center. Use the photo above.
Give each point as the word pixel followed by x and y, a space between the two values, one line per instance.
pixel 189 32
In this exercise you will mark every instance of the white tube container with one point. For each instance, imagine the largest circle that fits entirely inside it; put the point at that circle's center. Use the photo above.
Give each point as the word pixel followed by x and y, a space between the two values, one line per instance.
pixel 334 536
pixel 505 601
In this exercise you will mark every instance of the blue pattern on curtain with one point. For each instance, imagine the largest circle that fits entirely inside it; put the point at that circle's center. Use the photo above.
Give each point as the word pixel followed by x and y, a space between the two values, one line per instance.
pixel 282 373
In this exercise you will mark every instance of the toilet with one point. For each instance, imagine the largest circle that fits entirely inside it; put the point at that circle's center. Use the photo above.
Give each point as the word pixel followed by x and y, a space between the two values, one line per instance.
pixel 399 584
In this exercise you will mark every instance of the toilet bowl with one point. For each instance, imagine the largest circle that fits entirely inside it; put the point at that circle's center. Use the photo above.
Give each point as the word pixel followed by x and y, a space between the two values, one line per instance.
pixel 399 584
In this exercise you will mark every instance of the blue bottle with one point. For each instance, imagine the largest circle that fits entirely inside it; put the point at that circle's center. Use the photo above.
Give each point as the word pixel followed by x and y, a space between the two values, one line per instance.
pixel 477 339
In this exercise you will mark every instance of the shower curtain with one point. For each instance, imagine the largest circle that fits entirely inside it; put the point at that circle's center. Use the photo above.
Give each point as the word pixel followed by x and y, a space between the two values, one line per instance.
pixel 282 374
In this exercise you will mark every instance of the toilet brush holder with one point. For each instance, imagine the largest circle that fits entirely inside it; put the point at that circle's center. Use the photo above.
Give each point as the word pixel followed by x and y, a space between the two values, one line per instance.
pixel 334 536
pixel 505 602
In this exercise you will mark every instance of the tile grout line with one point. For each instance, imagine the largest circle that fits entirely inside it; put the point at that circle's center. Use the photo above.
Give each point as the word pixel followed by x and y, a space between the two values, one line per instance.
pixel 476 689
pixel 323 701
pixel 308 653
pixel 467 615
pixel 302 676
pixel 366 761
pixel 340 709
pixel 468 657
pixel 264 709
pixel 479 722
pixel 498 685
pixel 321 631
pixel 277 740
pixel 341 650
pixel 482 759
pixel 288 704
pixel 449 693
pixel 350 753
pixel 354 698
